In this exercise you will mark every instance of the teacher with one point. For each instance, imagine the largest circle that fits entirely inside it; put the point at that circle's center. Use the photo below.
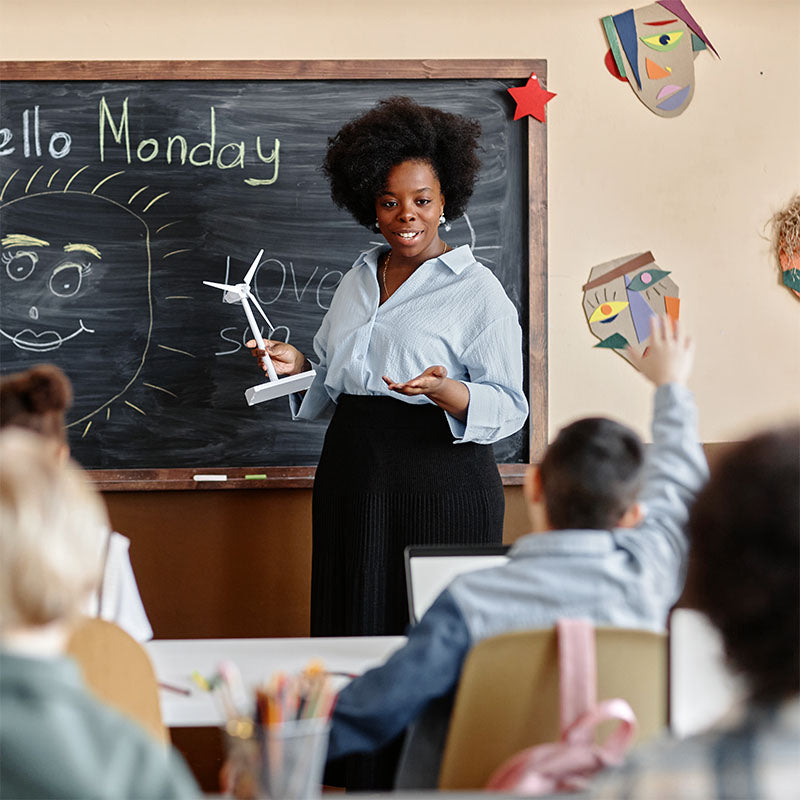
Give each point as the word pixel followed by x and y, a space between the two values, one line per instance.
pixel 419 360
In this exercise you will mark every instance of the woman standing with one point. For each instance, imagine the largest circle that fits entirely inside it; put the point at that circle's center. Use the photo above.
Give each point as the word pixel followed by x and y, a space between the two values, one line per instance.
pixel 419 359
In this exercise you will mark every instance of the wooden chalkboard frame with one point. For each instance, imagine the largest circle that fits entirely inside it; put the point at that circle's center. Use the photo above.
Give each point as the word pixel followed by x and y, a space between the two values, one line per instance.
pixel 303 477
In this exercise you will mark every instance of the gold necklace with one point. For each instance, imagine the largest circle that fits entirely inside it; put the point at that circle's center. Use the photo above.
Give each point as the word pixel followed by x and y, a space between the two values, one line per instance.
pixel 386 264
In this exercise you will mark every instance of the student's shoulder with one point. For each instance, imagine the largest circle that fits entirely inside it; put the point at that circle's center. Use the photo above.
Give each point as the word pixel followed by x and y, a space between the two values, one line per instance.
pixel 143 766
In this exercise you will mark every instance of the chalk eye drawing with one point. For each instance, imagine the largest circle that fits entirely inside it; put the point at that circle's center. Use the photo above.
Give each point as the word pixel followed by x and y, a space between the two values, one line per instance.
pixel 622 296
pixel 75 275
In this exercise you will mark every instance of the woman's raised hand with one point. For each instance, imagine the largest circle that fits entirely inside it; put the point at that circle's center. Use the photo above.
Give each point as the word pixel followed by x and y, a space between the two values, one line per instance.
pixel 286 358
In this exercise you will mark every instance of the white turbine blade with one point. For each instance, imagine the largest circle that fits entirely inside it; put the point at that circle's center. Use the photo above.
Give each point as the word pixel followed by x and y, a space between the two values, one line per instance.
pixel 260 310
pixel 222 286
pixel 253 267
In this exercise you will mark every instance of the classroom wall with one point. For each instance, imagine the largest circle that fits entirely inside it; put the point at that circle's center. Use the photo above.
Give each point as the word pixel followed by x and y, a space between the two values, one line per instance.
pixel 697 190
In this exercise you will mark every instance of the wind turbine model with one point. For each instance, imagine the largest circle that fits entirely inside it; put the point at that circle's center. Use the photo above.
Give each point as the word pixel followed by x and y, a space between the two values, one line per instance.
pixel 275 386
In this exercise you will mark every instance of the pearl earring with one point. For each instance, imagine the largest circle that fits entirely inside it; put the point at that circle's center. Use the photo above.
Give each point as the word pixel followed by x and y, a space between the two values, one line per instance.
pixel 442 219
pixel 376 226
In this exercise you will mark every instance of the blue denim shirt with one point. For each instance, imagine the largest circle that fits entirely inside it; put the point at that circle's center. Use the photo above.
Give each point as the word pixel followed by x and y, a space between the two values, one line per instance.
pixel 622 577
pixel 451 311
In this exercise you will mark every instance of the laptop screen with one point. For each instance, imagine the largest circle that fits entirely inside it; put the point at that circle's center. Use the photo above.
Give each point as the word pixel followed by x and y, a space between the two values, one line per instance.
pixel 430 568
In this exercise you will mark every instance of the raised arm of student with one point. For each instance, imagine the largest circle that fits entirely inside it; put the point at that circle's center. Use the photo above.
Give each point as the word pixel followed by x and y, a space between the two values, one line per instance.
pixel 676 467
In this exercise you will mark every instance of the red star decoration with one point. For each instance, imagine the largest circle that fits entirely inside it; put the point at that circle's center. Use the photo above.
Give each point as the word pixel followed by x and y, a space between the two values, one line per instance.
pixel 531 99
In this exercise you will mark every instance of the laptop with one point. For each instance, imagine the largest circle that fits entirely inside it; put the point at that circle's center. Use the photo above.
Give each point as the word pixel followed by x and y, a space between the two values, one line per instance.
pixel 430 568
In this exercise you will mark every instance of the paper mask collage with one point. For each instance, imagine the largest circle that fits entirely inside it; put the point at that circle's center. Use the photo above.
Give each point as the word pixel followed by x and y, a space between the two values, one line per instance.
pixel 621 298
pixel 653 49
pixel 786 244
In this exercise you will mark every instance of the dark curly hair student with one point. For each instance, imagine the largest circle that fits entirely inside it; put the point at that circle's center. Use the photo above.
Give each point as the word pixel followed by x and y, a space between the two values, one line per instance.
pixel 362 153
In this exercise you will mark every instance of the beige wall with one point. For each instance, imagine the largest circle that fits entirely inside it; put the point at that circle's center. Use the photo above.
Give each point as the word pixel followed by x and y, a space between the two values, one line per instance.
pixel 696 189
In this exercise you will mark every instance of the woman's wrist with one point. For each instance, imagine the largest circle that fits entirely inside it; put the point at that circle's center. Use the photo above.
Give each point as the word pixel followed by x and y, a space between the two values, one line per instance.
pixel 451 396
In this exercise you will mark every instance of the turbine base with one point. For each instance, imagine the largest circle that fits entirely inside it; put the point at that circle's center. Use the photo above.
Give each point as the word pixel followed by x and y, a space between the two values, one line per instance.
pixel 279 388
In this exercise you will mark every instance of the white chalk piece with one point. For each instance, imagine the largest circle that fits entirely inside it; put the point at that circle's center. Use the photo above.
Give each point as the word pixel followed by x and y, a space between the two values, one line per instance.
pixel 211 477
pixel 279 388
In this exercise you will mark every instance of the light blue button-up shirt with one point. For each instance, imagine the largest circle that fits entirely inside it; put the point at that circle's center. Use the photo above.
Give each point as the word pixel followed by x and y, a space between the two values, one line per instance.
pixel 451 311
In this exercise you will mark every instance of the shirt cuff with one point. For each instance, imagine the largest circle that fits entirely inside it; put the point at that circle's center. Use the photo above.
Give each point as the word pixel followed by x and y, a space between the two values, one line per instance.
pixel 316 401
pixel 490 416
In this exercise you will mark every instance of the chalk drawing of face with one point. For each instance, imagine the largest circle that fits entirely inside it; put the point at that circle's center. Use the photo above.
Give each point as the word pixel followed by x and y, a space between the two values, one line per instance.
pixel 653 48
pixel 622 296
pixel 74 273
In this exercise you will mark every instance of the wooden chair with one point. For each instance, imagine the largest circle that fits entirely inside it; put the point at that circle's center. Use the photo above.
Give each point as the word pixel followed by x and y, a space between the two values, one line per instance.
pixel 118 671
pixel 507 698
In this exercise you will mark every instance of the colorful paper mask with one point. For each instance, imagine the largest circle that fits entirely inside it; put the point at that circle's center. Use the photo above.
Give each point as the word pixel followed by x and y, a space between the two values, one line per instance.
pixel 786 243
pixel 621 298
pixel 653 48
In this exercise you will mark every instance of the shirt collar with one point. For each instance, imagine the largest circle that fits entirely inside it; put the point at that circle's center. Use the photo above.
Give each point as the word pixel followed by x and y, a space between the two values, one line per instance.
pixel 571 542
pixel 456 260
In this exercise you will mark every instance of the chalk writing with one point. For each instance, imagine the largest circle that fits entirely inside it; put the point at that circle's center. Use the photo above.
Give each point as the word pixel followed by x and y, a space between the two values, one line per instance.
pixel 206 153
pixel 58 145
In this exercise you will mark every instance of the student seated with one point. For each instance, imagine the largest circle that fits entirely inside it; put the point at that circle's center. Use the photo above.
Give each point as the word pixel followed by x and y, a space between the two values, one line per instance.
pixel 745 576
pixel 56 740
pixel 37 400
pixel 608 544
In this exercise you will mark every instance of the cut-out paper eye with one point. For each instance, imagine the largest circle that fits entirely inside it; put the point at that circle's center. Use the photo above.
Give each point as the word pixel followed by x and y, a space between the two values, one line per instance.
pixel 663 41
pixel 646 279
pixel 605 312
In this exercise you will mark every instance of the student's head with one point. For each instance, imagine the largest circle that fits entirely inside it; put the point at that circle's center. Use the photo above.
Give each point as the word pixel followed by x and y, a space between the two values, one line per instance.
pixel 36 400
pixel 397 131
pixel 589 478
pixel 52 531
pixel 745 563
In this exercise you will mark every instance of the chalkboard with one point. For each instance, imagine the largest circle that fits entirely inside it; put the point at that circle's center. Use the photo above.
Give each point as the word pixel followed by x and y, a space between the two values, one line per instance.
pixel 120 195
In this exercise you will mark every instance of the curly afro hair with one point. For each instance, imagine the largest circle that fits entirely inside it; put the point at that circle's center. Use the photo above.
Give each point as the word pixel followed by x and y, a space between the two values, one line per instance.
pixel 361 155
pixel 744 570
pixel 36 399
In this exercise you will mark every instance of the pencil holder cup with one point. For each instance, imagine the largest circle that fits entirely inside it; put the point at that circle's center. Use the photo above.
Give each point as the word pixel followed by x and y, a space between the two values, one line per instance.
pixel 280 762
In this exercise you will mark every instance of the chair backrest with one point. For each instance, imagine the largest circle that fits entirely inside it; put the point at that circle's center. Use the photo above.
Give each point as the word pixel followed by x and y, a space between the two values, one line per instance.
pixel 118 671
pixel 508 698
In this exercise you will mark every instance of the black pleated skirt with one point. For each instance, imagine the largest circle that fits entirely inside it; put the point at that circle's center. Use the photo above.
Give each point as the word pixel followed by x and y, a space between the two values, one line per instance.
pixel 390 476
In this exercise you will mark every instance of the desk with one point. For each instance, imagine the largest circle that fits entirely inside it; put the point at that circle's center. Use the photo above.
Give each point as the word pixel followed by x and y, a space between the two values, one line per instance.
pixel 174 661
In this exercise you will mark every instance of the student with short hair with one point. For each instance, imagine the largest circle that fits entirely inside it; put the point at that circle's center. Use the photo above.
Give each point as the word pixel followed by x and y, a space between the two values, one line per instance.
pixel 745 576
pixel 57 740
pixel 600 549
pixel 37 400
